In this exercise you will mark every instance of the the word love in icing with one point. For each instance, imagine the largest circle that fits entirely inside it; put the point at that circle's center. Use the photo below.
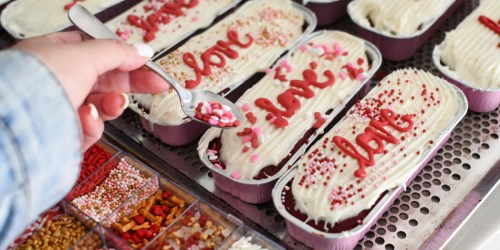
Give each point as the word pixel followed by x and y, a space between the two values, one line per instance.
pixel 162 15
pixel 374 132
pixel 288 100
pixel 490 24
pixel 221 49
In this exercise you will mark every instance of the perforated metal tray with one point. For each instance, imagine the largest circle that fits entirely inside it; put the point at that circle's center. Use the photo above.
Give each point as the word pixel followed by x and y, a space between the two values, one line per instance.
pixel 424 216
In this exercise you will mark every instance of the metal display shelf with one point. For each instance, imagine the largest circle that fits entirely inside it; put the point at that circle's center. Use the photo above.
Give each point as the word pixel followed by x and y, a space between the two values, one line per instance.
pixel 424 216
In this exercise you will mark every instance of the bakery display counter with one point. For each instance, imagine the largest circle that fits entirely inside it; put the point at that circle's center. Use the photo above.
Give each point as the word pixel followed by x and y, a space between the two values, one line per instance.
pixel 427 214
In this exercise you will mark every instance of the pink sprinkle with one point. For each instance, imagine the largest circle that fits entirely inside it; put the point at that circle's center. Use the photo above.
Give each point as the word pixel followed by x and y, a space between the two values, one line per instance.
pixel 360 77
pixel 236 175
pixel 385 178
pixel 351 65
pixel 342 75
pixel 286 65
pixel 254 158
pixel 212 151
pixel 207 109
pixel 326 49
pixel 338 48
pixel 195 19
pixel 217 165
pixel 268 71
pixel 246 139
pixel 245 107
pixel 224 120
pixel 303 48
pixel 125 35
pixel 212 121
pixel 256 131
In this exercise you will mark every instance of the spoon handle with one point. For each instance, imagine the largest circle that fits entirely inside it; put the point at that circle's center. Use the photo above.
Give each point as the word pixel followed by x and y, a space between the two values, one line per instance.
pixel 93 27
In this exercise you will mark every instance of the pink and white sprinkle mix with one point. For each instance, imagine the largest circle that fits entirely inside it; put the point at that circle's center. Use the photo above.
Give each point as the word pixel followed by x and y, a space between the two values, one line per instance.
pixel 216 114
pixel 121 183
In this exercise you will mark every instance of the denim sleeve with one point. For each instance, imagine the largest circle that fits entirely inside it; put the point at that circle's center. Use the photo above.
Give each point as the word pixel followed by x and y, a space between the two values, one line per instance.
pixel 40 142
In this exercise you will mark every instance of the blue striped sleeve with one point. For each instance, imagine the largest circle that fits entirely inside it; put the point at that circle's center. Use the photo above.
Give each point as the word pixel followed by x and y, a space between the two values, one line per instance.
pixel 40 142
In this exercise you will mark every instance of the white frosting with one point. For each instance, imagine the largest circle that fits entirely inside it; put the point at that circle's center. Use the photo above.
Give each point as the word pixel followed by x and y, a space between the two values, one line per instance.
pixel 29 18
pixel 274 25
pixel 398 18
pixel 279 142
pixel 391 169
pixel 199 16
pixel 471 52
pixel 244 243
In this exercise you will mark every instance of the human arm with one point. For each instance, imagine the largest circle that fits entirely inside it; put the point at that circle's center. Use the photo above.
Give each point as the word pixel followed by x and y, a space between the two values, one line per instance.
pixel 47 90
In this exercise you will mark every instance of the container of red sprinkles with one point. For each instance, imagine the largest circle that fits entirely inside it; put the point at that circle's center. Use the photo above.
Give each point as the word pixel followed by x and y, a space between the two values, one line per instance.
pixel 95 157
pixel 326 71
pixel 395 47
pixel 110 186
pixel 348 178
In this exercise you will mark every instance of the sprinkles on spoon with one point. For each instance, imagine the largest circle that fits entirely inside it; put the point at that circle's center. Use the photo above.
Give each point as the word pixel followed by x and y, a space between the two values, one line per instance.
pixel 216 114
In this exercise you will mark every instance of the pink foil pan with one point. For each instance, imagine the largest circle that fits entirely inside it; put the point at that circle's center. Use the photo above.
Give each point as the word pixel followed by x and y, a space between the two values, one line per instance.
pixel 395 48
pixel 348 239
pixel 480 100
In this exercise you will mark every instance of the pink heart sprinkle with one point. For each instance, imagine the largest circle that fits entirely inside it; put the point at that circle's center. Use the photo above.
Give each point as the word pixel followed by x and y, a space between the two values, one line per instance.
pixel 254 158
pixel 245 107
pixel 236 175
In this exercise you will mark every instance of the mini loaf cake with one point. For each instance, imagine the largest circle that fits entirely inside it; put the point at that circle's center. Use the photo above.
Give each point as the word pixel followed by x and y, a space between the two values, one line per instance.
pixel 29 18
pixel 471 52
pixel 161 23
pixel 376 147
pixel 247 41
pixel 400 18
pixel 288 105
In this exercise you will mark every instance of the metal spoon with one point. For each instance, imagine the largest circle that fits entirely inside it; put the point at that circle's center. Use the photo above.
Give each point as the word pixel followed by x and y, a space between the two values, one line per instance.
pixel 189 99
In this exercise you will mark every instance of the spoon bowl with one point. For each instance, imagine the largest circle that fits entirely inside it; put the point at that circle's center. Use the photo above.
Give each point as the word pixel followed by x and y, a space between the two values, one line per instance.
pixel 193 102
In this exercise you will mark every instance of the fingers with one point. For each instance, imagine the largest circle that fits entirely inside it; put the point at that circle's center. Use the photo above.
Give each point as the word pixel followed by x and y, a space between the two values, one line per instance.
pixel 92 125
pixel 141 80
pixel 144 80
pixel 109 105
pixel 67 37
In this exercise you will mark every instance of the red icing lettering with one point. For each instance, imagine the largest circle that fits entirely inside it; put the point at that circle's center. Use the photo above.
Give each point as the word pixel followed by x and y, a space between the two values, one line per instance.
pixel 377 133
pixel 221 49
pixel 319 120
pixel 69 5
pixel 288 100
pixel 490 24
pixel 162 15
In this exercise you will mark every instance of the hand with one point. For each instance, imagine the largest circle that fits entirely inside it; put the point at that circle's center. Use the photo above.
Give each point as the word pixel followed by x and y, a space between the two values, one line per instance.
pixel 95 74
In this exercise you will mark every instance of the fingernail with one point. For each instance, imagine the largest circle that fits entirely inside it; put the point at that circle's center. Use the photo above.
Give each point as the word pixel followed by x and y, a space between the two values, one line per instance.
pixel 144 50
pixel 93 111
pixel 125 101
